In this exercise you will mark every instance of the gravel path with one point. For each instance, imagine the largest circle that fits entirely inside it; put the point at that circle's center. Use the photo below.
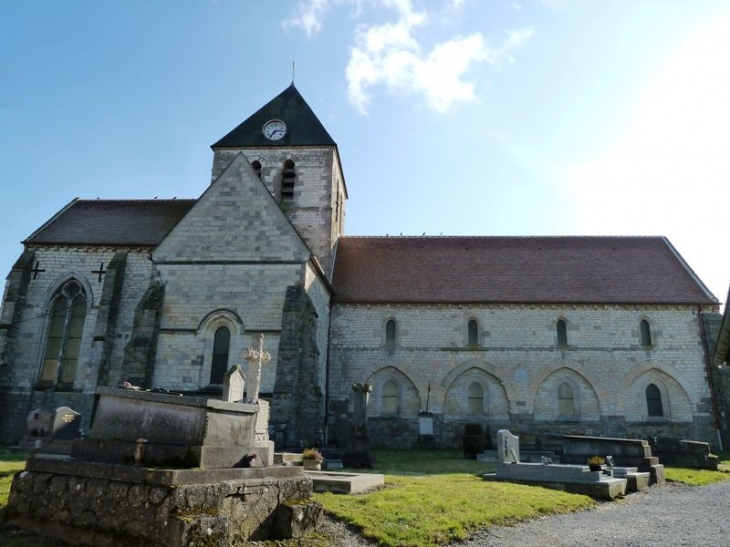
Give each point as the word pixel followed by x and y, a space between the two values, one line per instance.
pixel 669 515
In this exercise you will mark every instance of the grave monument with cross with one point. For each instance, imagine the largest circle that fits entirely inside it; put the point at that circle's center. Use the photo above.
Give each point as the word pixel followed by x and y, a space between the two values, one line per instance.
pixel 256 356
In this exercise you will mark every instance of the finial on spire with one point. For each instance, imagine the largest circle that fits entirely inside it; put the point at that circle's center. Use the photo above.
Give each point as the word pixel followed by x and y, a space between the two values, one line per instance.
pixel 293 71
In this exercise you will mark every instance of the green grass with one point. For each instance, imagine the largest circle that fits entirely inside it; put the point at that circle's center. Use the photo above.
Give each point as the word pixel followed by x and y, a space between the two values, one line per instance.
pixel 432 497
pixel 695 477
pixel 433 510
pixel 10 463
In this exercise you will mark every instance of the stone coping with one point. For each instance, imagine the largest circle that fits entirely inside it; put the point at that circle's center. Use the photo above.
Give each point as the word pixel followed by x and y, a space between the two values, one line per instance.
pixel 185 400
pixel 155 476
pixel 611 440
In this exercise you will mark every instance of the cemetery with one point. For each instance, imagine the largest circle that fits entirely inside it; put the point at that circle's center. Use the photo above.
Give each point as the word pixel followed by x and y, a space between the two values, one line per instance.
pixel 166 469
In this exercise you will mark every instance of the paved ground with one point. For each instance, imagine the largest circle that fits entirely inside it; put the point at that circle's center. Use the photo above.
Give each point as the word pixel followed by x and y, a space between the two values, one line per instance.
pixel 669 515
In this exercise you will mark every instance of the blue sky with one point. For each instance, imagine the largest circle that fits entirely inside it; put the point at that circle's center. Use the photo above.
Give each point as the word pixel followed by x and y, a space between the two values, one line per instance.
pixel 474 117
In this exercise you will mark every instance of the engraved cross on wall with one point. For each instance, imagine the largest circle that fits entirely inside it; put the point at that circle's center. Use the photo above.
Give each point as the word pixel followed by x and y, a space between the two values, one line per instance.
pixel 256 356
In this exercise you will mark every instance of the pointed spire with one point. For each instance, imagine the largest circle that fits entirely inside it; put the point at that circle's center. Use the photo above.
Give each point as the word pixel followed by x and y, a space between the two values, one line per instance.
pixel 303 128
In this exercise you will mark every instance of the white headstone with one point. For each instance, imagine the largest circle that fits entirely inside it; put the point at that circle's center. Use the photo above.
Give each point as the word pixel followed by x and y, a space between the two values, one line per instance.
pixel 233 384
pixel 508 447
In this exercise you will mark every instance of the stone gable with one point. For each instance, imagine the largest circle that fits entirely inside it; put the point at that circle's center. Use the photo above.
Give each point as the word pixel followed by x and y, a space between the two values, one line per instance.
pixel 235 220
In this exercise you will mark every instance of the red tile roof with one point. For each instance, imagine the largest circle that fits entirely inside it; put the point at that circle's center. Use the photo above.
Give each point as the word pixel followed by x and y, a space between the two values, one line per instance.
pixel 112 222
pixel 600 270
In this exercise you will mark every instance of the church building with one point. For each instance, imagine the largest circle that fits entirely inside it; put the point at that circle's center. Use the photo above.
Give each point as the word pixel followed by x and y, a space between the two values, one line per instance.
pixel 589 335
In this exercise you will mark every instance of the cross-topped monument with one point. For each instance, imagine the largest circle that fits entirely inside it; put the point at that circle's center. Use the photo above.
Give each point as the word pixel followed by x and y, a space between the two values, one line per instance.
pixel 256 356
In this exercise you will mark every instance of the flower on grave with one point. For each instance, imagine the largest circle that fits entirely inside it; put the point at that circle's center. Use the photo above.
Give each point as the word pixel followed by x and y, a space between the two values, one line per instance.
pixel 312 454
pixel 596 460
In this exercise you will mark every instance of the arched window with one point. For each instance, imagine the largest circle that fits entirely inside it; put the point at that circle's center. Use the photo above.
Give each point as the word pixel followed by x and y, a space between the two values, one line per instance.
pixel 645 333
pixel 63 343
pixel 288 177
pixel 562 333
pixel 475 402
pixel 221 349
pixel 566 401
pixel 389 398
pixel 256 164
pixel 654 401
pixel 390 334
pixel 473 333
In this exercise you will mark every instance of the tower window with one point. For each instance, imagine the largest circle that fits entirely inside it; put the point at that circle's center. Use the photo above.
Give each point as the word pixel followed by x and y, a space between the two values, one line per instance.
pixel 654 401
pixel 645 333
pixel 475 402
pixel 562 333
pixel 566 400
pixel 256 164
pixel 63 344
pixel 221 349
pixel 288 177
pixel 473 333
pixel 390 334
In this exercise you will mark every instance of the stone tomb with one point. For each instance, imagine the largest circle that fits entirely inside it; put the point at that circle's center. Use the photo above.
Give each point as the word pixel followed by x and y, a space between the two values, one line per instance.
pixel 119 488
pixel 174 430
pixel 578 479
pixel 52 432
pixel 625 452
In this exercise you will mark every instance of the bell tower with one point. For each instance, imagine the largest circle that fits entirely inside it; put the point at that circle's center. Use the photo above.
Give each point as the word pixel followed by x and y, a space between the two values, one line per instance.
pixel 298 162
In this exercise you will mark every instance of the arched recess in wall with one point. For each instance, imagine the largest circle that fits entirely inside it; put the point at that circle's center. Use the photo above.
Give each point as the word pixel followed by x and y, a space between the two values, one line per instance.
pixel 675 402
pixel 602 391
pixel 438 393
pixel 678 404
pixel 393 395
pixel 547 405
pixel 460 403
pixel 46 320
pixel 220 339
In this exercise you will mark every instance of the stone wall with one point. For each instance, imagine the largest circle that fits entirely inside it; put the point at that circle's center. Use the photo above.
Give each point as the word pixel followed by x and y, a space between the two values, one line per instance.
pixel 110 505
pixel 111 301
pixel 519 367
pixel 318 188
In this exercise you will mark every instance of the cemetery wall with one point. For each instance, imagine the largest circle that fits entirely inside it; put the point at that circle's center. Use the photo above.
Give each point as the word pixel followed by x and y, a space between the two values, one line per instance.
pixel 519 365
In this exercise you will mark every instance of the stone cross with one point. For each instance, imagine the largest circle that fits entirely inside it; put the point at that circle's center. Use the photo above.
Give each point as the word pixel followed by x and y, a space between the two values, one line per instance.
pixel 256 357
pixel 233 383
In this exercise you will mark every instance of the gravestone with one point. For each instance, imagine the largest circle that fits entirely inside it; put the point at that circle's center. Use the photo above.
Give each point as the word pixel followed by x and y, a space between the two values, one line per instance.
pixel 508 447
pixel 38 423
pixel 65 425
pixel 358 452
pixel 233 384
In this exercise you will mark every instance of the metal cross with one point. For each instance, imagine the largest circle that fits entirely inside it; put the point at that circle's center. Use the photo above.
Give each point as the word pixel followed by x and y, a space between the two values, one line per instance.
pixel 101 271
pixel 36 270
pixel 256 356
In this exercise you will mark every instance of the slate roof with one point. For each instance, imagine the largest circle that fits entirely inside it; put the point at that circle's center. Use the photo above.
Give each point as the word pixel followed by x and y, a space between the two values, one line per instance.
pixel 303 126
pixel 580 270
pixel 112 222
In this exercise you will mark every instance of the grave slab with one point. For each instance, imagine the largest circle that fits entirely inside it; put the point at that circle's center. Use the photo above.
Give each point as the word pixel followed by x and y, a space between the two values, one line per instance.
pixel 344 483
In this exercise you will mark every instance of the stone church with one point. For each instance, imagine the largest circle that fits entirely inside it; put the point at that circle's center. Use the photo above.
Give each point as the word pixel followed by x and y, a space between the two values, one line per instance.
pixel 592 335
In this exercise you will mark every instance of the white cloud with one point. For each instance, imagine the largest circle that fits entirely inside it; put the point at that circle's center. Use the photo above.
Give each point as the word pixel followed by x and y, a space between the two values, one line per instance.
pixel 397 57
pixel 309 15
pixel 391 55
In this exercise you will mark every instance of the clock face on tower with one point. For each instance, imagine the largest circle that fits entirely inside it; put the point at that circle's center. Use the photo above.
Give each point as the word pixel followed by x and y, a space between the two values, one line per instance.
pixel 274 130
